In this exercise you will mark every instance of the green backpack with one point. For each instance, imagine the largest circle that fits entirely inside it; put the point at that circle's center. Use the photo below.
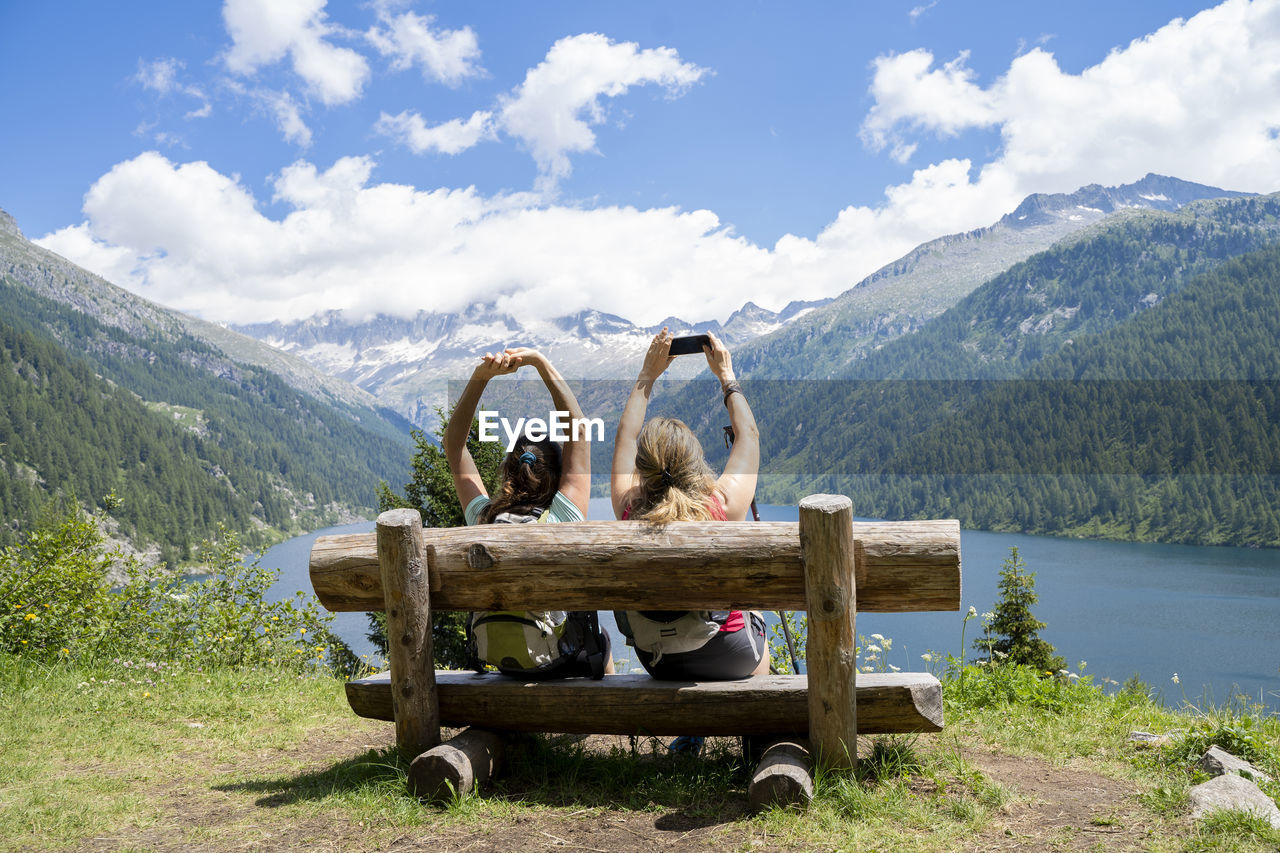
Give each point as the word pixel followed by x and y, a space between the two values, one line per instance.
pixel 534 643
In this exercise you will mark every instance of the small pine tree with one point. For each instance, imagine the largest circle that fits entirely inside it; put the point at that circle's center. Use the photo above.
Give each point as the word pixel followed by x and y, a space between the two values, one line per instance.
pixel 1014 628
pixel 430 491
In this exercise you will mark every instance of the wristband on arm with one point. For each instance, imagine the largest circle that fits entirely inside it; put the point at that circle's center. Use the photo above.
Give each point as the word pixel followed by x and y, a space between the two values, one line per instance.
pixel 731 389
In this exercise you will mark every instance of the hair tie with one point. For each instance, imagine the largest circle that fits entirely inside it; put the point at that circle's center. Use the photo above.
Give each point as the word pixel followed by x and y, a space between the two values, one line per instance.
pixel 667 479
pixel 528 458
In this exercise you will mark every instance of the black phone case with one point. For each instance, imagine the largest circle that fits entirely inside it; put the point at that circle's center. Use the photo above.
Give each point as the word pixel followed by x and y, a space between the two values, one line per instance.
pixel 689 345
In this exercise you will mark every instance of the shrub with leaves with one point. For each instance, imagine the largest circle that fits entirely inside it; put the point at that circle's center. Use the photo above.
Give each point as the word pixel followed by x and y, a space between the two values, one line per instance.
pixel 54 588
pixel 57 601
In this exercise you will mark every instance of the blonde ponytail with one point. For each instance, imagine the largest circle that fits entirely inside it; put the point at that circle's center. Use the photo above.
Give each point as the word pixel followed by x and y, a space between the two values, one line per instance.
pixel 676 482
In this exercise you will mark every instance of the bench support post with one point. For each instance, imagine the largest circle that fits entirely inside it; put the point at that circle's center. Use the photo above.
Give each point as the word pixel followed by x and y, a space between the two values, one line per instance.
pixel 828 551
pixel 403 561
pixel 457 766
pixel 784 777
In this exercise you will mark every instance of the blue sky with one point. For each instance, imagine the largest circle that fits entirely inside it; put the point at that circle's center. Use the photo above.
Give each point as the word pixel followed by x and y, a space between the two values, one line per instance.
pixel 247 160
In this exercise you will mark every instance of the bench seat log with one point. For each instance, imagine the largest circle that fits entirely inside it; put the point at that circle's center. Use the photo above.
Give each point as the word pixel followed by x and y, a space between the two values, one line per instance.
pixel 888 703
pixel 628 565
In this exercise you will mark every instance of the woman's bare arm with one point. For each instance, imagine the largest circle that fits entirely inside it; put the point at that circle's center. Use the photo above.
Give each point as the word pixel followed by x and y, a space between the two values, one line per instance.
pixel 467 482
pixel 575 458
pixel 741 471
pixel 624 483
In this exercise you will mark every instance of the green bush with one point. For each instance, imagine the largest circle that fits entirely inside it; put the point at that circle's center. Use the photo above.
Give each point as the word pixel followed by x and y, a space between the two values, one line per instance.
pixel 1008 684
pixel 57 601
pixel 54 590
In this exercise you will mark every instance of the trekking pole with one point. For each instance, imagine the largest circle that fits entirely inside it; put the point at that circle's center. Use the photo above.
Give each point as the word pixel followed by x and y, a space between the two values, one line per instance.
pixel 729 438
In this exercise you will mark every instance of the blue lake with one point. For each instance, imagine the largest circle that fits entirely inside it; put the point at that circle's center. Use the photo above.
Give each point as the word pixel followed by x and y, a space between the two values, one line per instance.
pixel 1209 614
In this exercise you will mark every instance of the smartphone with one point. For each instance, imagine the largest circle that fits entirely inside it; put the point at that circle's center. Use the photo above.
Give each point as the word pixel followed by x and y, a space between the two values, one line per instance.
pixel 690 345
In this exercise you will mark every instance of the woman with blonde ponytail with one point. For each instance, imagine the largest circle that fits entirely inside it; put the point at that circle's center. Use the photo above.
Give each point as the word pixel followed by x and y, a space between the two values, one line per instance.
pixel 660 475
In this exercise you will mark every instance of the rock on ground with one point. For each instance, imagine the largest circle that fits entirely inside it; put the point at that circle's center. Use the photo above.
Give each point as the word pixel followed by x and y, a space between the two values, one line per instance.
pixel 1218 761
pixel 1230 791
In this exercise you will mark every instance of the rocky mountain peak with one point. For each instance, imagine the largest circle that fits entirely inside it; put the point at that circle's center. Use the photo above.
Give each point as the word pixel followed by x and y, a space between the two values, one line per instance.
pixel 9 225
pixel 1153 192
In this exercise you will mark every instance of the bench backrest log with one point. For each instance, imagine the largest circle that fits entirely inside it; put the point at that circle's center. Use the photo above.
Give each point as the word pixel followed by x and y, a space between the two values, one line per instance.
pixel 825 564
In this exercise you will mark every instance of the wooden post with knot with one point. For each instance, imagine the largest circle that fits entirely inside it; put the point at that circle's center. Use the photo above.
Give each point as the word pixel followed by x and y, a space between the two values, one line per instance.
pixel 403 560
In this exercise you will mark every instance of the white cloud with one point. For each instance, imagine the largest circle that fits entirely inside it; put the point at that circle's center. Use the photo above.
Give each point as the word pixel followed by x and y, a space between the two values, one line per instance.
pixel 187 236
pixel 917 11
pixel 282 108
pixel 160 75
pixel 288 115
pixel 1196 99
pixel 164 76
pixel 451 137
pixel 446 56
pixel 264 32
pixel 909 91
pixel 553 110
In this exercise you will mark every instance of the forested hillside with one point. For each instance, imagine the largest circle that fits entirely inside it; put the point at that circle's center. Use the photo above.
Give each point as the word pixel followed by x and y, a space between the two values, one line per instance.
pixel 181 435
pixel 1120 384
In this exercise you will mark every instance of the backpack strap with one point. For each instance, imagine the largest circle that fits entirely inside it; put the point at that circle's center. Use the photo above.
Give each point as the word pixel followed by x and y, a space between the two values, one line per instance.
pixel 593 646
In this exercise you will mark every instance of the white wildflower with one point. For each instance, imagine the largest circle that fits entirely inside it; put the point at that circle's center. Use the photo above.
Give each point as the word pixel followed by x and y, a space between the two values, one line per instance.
pixel 1175 679
pixel 926 657
pixel 973 611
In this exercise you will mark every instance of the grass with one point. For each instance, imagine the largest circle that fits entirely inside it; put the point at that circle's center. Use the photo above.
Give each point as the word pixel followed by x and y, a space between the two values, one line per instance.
pixel 121 757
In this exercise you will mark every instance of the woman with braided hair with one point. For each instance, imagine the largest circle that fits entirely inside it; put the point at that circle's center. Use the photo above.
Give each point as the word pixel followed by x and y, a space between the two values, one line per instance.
pixel 539 483
pixel 660 475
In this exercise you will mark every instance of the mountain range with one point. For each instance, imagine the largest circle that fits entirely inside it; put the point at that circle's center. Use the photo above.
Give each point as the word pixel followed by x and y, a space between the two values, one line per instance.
pixel 405 362
pixel 924 389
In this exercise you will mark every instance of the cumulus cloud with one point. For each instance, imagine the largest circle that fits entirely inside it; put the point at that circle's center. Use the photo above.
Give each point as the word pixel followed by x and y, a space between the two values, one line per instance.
pixel 553 110
pixel 451 137
pixel 446 56
pixel 188 236
pixel 264 32
pixel 1196 99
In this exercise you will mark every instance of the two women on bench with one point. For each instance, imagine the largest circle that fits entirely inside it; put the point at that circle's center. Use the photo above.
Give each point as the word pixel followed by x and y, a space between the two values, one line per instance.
pixel 659 474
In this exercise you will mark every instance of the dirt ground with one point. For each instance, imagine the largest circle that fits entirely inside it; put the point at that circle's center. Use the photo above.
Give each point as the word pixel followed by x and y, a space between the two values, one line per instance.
pixel 1050 808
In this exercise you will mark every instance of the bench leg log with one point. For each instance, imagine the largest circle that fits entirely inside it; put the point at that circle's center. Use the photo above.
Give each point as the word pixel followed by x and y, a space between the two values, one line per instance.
pixel 457 766
pixel 830 554
pixel 403 560
pixel 784 776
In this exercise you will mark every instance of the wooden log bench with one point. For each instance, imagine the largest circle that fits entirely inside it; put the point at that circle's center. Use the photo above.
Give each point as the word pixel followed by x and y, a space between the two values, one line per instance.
pixel 825 564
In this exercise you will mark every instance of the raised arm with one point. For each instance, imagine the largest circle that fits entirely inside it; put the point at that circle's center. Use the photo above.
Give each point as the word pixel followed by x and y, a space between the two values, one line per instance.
pixel 623 481
pixel 575 456
pixel 467 481
pixel 738 482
